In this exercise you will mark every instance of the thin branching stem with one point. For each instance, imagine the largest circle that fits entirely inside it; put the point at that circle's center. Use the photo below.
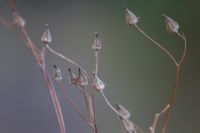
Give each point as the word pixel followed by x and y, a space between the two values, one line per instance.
pixel 185 48
pixel 40 59
pixel 177 64
pixel 172 100
pixel 156 118
pixel 71 101
pixel 54 100
pixel 158 44
pixel 173 97
pixel 97 62
pixel 66 59
pixel 110 105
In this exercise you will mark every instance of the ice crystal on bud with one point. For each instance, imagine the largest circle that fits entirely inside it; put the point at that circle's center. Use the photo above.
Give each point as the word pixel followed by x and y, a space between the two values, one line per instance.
pixel 46 37
pixel 171 25
pixel 82 78
pixel 123 111
pixel 131 18
pixel 19 21
pixel 57 73
pixel 97 42
pixel 98 83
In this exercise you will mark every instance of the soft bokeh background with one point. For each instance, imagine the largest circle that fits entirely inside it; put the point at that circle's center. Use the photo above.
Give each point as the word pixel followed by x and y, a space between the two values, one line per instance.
pixel 137 74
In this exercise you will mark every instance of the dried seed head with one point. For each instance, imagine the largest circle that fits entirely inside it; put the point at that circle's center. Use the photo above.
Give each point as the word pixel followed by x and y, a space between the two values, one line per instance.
pixel 19 21
pixel 83 78
pixel 131 18
pixel 57 73
pixel 97 42
pixel 46 37
pixel 123 111
pixel 171 25
pixel 98 83
pixel 73 78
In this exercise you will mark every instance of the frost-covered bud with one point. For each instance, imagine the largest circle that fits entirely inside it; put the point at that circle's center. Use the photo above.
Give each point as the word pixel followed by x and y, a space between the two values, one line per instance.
pixel 97 42
pixel 83 80
pixel 131 18
pixel 73 78
pixel 98 83
pixel 171 25
pixel 57 73
pixel 123 111
pixel 46 37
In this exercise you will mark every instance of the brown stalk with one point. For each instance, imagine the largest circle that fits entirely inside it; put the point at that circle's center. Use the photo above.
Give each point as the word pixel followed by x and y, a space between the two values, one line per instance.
pixel 40 59
pixel 156 118
pixel 71 101
pixel 173 97
pixel 177 74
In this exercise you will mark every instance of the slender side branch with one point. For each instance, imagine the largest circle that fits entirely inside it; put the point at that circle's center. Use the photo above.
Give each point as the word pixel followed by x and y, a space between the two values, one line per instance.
pixel 110 105
pixel 54 100
pixel 172 100
pixel 156 118
pixel 71 101
pixel 157 44
pixel 97 62
pixel 66 59
pixel 185 48
pixel 40 59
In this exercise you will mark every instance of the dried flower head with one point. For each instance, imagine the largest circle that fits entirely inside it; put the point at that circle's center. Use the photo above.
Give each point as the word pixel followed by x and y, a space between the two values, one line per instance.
pixel 97 42
pixel 83 80
pixel 123 111
pixel 171 25
pixel 98 83
pixel 57 73
pixel 131 18
pixel 73 78
pixel 46 37
pixel 19 21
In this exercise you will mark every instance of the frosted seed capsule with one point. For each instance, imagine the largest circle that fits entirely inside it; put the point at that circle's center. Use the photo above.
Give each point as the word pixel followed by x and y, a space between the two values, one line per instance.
pixel 171 25
pixel 46 37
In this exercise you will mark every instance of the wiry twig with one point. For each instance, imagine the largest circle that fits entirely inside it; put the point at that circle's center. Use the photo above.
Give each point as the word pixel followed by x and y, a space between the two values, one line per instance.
pixel 40 59
pixel 156 117
pixel 65 58
pixel 173 27
pixel 71 101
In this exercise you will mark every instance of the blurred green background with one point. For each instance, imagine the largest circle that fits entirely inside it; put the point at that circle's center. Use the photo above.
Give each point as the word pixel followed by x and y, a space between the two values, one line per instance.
pixel 137 73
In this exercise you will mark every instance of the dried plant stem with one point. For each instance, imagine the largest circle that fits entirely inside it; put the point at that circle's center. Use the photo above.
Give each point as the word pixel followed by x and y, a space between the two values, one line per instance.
pixel 54 100
pixel 158 44
pixel 40 59
pixel 71 101
pixel 91 109
pixel 173 97
pixel 53 95
pixel 110 105
pixel 177 65
pixel 97 62
pixel 185 48
pixel 66 59
pixel 172 100
pixel 156 117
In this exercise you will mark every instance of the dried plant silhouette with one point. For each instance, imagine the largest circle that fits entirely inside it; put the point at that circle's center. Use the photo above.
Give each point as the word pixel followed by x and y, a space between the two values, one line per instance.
pixel 85 84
